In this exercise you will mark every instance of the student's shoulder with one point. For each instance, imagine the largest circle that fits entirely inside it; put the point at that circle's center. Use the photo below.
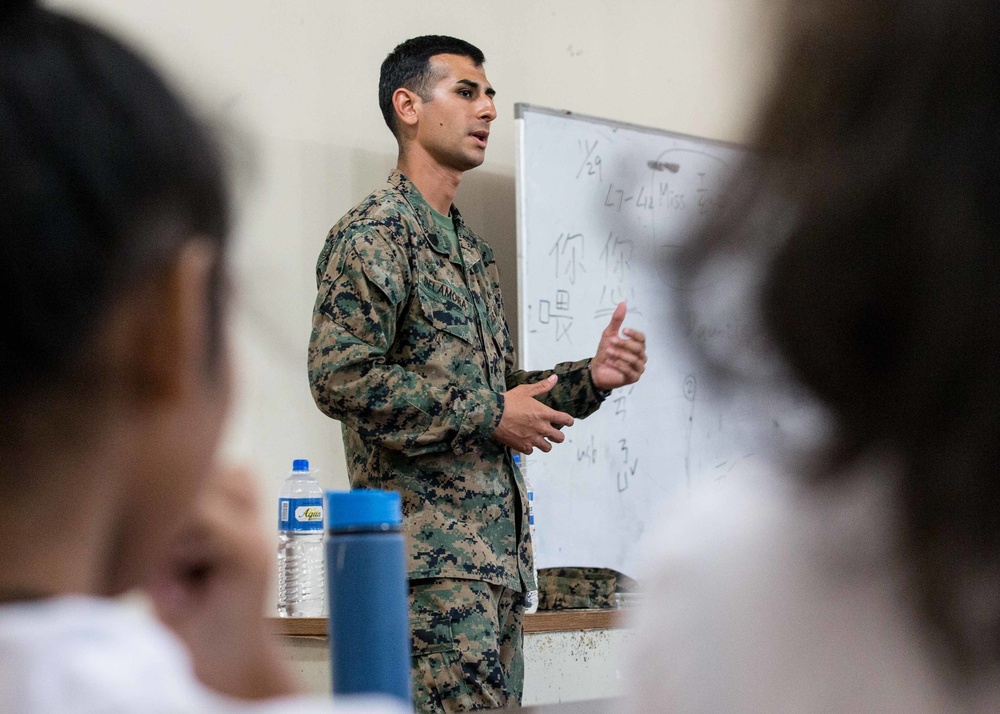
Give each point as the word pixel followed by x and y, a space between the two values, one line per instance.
pixel 766 595
pixel 743 520
pixel 81 654
pixel 91 654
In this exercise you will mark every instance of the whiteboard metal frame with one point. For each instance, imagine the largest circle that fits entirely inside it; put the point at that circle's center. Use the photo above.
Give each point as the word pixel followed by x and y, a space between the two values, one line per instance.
pixel 521 238
pixel 520 108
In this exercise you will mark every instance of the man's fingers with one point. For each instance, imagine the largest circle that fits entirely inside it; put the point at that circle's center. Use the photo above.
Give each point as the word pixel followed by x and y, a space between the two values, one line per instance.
pixel 631 368
pixel 629 358
pixel 617 318
pixel 636 335
pixel 558 419
pixel 555 435
pixel 527 423
pixel 632 374
pixel 631 346
pixel 543 386
pixel 627 354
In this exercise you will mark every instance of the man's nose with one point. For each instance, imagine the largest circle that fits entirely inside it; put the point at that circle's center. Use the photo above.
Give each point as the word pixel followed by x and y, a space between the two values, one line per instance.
pixel 489 110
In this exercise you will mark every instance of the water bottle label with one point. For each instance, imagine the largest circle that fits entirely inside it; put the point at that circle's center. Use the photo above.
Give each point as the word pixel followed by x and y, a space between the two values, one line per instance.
pixel 300 515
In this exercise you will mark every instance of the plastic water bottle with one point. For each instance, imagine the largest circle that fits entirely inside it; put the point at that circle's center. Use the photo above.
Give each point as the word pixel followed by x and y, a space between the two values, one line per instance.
pixel 530 597
pixel 369 613
pixel 301 579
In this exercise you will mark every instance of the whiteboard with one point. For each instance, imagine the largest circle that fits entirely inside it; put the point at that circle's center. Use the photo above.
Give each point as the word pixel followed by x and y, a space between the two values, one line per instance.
pixel 600 206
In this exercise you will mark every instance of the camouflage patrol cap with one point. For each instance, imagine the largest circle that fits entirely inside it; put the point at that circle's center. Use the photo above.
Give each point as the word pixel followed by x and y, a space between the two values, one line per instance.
pixel 574 588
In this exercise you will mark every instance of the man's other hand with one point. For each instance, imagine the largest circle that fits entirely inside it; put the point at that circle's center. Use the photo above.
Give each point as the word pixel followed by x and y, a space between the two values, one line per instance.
pixel 526 423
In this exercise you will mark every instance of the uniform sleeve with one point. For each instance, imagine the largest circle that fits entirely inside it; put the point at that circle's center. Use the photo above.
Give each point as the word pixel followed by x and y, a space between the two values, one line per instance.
pixel 574 392
pixel 363 293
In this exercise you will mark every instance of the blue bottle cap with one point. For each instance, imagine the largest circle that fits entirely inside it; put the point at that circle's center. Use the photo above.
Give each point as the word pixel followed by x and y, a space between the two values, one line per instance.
pixel 300 465
pixel 363 508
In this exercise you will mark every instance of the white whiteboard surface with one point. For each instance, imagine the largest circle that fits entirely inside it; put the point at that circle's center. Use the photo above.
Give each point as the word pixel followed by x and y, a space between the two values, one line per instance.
pixel 600 206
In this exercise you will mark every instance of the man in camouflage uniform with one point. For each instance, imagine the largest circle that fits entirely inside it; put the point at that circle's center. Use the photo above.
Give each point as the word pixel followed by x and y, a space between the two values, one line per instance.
pixel 410 350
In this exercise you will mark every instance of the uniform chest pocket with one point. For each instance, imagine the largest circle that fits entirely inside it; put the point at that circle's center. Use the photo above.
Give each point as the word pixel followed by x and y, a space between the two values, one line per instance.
pixel 446 310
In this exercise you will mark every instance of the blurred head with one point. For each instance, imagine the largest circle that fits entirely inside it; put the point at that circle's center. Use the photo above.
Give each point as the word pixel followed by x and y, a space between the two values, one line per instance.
pixel 435 96
pixel 875 196
pixel 111 272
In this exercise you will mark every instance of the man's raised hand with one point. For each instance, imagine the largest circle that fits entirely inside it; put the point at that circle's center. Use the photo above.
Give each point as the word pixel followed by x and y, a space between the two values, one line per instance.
pixel 620 358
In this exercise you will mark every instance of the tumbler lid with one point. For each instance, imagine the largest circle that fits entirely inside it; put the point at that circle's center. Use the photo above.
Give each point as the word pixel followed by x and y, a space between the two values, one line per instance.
pixel 363 508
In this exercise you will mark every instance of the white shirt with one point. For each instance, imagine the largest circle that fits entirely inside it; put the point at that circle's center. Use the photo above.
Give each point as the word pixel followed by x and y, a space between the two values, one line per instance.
pixel 766 598
pixel 82 654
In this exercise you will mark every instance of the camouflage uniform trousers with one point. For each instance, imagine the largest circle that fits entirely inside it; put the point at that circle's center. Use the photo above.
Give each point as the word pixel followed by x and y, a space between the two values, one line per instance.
pixel 467 645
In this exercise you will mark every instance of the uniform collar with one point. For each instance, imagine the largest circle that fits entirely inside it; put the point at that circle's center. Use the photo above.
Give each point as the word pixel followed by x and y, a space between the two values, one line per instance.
pixel 438 242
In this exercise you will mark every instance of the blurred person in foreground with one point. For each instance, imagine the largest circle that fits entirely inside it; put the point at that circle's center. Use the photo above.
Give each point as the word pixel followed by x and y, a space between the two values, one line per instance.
pixel 114 388
pixel 871 214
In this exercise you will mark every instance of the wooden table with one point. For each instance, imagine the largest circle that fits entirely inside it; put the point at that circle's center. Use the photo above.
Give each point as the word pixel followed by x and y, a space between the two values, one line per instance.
pixel 546 621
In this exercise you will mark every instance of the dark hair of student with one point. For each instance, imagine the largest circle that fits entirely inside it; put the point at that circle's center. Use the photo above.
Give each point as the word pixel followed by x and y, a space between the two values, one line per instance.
pixel 104 174
pixel 876 193
pixel 409 66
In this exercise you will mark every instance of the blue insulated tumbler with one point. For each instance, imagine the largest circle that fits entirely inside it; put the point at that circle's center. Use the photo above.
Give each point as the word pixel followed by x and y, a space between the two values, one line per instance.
pixel 366 586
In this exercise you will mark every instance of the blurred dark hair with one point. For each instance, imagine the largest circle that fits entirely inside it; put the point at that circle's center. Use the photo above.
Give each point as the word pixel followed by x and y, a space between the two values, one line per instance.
pixel 104 174
pixel 876 187
pixel 409 66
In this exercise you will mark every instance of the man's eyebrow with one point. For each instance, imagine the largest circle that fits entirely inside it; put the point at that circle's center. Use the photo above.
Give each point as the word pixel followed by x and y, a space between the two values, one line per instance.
pixel 490 92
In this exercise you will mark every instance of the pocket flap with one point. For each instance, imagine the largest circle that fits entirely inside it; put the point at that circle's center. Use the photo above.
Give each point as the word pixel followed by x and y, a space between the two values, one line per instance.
pixel 445 310
pixel 430 636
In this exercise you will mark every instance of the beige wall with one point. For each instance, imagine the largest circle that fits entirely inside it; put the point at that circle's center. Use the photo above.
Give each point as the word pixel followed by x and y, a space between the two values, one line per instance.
pixel 292 86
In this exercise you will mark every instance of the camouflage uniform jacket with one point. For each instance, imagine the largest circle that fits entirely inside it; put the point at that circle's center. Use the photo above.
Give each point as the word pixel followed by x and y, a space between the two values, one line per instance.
pixel 410 351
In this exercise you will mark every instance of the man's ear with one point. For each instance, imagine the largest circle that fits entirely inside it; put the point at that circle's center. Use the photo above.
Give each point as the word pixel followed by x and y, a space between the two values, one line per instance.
pixel 170 333
pixel 407 106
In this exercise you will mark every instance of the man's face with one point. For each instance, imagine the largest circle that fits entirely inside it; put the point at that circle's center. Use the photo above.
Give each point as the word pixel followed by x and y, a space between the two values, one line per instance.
pixel 454 123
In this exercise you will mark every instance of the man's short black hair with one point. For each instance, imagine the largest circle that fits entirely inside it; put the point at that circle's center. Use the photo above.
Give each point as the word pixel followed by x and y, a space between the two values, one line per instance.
pixel 409 66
